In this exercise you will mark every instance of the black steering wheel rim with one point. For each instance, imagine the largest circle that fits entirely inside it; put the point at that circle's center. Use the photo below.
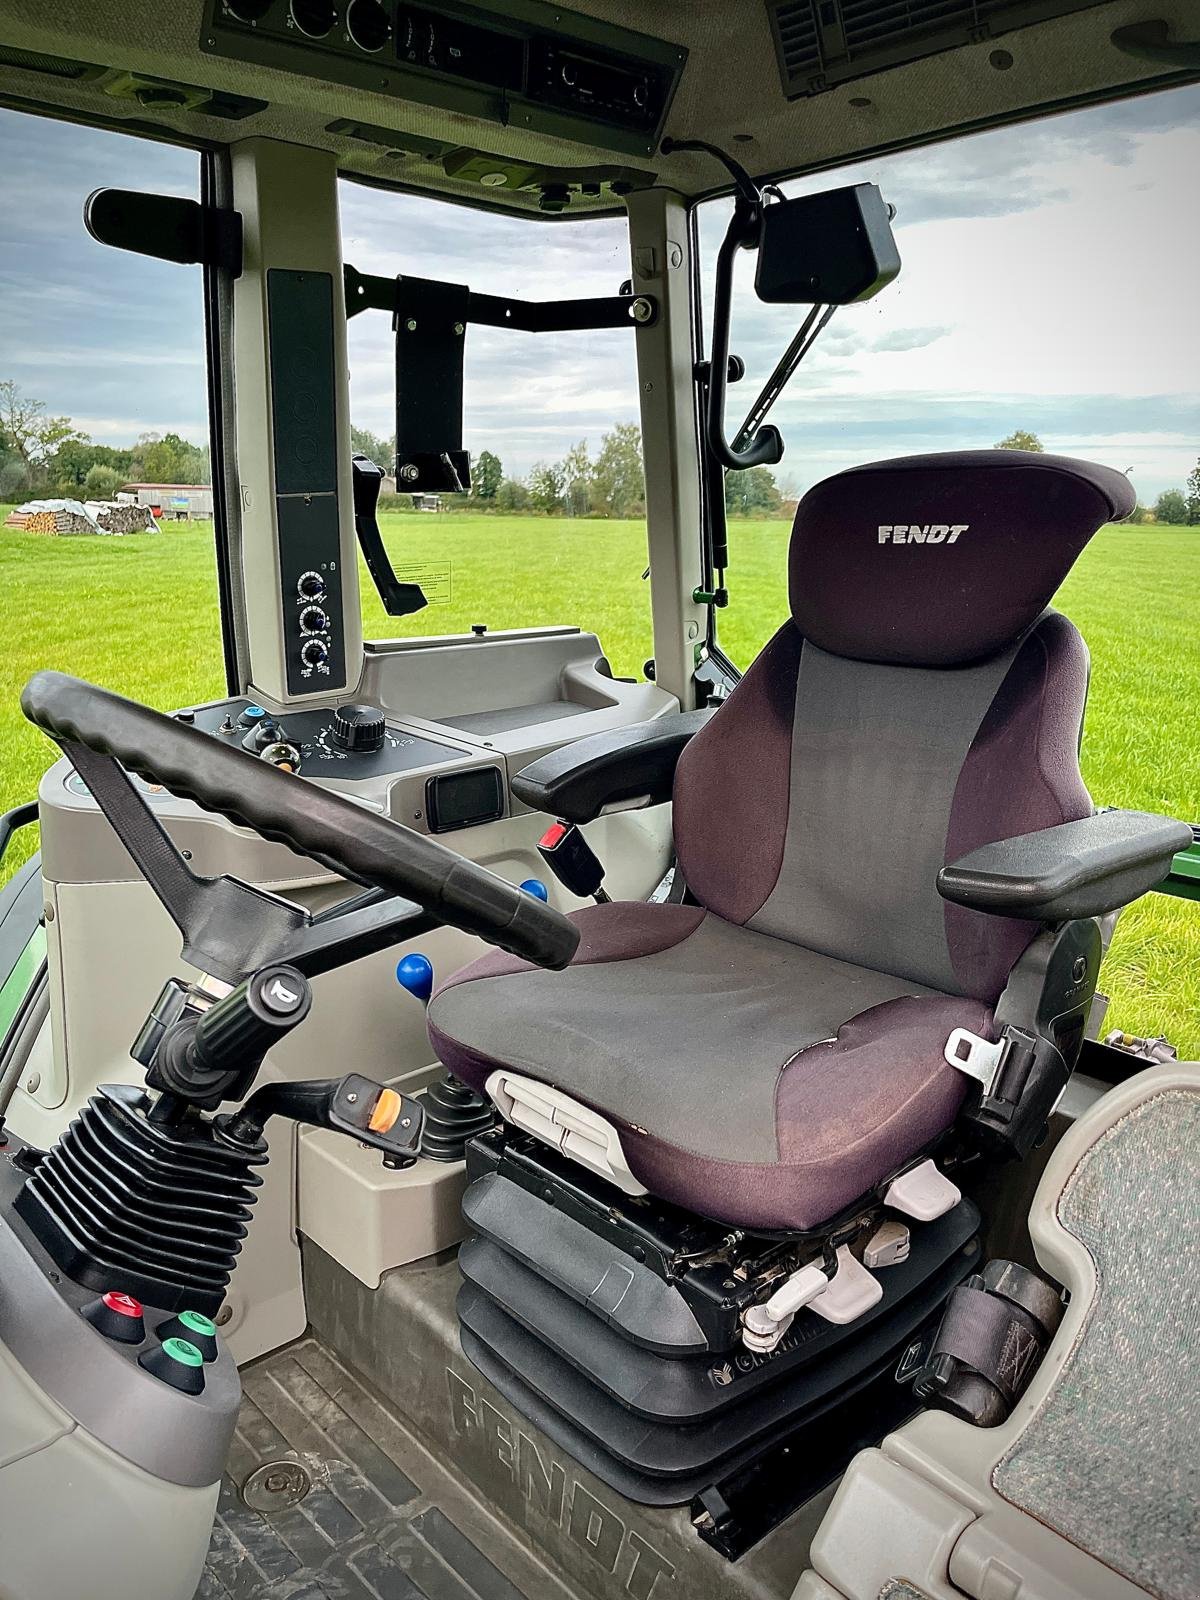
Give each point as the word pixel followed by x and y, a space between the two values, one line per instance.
pixel 351 840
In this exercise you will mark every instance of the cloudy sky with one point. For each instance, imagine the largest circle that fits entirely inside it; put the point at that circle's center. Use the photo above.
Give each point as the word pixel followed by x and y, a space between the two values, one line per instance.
pixel 1048 283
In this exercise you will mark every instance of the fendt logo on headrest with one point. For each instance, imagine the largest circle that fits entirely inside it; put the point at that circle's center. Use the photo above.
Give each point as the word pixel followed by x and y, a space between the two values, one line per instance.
pixel 921 532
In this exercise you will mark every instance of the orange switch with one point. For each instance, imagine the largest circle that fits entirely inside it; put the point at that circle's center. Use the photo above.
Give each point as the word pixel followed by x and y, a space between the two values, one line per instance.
pixel 386 1110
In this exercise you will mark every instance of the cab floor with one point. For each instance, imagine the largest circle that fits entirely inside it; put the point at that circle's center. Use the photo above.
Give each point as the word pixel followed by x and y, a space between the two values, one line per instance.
pixel 382 1520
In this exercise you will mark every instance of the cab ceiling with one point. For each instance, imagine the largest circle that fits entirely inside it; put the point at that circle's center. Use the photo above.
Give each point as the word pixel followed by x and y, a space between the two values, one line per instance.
pixel 730 92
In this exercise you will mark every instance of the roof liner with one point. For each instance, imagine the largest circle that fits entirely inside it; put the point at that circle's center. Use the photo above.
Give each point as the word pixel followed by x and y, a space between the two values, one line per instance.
pixel 730 93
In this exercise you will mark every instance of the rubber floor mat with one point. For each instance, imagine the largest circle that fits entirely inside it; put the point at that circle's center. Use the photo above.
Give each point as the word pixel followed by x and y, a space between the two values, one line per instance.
pixel 381 1520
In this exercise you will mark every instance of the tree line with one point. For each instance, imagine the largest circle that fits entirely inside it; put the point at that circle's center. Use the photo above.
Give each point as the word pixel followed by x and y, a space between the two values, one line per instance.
pixel 48 457
pixel 612 483
pixel 1178 508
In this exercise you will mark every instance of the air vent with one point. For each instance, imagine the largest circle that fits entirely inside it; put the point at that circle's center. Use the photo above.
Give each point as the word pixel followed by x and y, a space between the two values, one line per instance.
pixel 820 43
pixel 48 66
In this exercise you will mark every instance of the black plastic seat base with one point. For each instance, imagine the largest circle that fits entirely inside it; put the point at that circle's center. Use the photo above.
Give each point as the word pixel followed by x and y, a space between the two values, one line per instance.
pixel 695 1387
pixel 662 1446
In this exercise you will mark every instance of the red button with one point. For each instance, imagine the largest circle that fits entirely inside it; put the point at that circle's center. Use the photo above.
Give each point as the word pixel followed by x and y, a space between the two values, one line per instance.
pixel 123 1304
pixel 553 836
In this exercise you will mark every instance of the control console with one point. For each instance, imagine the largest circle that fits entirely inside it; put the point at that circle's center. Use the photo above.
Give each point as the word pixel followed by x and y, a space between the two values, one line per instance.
pixel 155 1384
pixel 542 67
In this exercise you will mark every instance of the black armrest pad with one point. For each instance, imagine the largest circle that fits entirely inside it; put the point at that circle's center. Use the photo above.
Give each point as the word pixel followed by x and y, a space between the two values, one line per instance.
pixel 579 780
pixel 1078 869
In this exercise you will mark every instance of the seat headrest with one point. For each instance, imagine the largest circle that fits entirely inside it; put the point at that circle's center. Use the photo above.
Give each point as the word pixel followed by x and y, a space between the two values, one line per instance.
pixel 942 559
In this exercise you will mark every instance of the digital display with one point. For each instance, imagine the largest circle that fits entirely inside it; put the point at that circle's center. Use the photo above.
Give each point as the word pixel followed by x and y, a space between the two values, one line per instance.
pixel 464 799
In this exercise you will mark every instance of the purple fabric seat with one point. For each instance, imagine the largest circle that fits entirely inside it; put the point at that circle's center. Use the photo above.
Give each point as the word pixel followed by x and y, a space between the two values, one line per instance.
pixel 775 1051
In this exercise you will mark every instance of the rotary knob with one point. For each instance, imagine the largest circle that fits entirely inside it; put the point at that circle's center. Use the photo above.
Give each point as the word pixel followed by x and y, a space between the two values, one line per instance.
pixel 358 728
pixel 314 653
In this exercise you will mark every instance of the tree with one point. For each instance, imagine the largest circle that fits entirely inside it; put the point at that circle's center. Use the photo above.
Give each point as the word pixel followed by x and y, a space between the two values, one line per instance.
pixel 102 482
pixel 29 432
pixel 577 479
pixel 546 482
pixel 487 474
pixel 1193 495
pixel 618 478
pixel 381 451
pixel 70 464
pixel 752 491
pixel 1171 508
pixel 12 478
pixel 1022 439
pixel 512 495
pixel 169 459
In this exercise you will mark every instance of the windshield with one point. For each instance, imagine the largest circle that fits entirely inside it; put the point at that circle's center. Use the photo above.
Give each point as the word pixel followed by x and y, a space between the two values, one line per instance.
pixel 106 537
pixel 1046 300
pixel 553 530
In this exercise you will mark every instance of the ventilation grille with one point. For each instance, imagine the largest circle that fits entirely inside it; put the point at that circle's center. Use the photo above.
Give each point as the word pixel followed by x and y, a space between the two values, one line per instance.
pixel 823 42
pixel 49 66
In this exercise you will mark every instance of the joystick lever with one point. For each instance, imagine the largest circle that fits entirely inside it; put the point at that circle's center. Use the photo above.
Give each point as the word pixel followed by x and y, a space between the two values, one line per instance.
pixel 383 1118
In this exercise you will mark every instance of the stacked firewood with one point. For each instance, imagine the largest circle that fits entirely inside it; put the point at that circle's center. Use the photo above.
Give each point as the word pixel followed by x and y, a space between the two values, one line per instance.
pixel 113 517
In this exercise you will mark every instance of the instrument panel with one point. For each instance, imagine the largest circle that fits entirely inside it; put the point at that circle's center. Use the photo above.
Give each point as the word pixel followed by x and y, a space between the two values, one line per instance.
pixel 526 64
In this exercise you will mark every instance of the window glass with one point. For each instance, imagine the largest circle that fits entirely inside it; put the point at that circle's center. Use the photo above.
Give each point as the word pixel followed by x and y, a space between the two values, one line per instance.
pixel 102 387
pixel 553 530
pixel 1047 289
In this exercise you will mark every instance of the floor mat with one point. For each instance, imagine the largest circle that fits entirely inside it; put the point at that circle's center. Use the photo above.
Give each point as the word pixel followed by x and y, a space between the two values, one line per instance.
pixel 381 1520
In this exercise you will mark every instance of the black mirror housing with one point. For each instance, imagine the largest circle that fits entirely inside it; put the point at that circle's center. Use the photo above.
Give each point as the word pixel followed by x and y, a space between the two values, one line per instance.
pixel 826 249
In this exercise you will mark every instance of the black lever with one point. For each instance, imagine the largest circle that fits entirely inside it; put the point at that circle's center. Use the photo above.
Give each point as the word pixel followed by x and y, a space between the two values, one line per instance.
pixel 204 1057
pixel 383 1118
pixel 399 599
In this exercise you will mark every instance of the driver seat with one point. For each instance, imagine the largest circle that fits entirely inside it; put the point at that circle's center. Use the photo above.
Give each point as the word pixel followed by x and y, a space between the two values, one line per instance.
pixel 774 1049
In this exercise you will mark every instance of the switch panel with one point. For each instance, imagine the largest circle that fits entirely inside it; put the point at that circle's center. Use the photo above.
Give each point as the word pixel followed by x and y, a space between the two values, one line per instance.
pixel 304 437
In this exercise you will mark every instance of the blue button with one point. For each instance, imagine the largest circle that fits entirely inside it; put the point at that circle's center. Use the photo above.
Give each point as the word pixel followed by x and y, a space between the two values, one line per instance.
pixel 536 888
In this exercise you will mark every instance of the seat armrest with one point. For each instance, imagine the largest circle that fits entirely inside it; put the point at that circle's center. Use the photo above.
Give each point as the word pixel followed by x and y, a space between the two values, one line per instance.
pixel 578 781
pixel 1078 869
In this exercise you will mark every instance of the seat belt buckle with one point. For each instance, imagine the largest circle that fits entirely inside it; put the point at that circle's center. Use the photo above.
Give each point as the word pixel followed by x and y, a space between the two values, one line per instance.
pixel 572 860
pixel 978 1058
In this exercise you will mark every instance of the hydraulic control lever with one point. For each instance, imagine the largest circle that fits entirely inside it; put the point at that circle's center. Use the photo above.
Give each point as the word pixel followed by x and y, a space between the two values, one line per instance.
pixel 383 1118
pixel 205 1053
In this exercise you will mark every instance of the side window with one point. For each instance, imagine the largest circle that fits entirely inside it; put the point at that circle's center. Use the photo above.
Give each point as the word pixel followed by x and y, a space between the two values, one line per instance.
pixel 1028 312
pixel 553 529
pixel 106 535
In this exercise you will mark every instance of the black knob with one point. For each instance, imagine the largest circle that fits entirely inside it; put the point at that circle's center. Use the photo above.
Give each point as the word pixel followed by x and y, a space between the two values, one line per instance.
pixel 193 1328
pixel 117 1316
pixel 311 586
pixel 313 620
pixel 359 728
pixel 314 652
pixel 177 1362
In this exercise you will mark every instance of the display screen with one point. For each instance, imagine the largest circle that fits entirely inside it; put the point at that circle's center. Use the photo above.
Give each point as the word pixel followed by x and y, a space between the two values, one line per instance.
pixel 463 799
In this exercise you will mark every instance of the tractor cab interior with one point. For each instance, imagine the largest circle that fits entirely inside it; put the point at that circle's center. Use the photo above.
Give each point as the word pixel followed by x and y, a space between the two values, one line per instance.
pixel 701 1174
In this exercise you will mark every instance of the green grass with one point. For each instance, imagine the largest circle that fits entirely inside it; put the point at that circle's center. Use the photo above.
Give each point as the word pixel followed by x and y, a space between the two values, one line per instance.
pixel 139 615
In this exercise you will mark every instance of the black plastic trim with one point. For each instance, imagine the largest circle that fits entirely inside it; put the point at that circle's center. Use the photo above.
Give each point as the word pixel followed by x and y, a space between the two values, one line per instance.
pixel 1077 869
pixel 577 781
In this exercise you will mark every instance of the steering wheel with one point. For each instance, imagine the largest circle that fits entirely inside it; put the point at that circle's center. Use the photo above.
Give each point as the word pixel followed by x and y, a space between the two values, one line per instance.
pixel 231 928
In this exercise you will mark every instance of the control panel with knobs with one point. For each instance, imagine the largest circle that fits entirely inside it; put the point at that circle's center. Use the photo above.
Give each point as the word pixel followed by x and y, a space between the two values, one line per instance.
pixel 313 620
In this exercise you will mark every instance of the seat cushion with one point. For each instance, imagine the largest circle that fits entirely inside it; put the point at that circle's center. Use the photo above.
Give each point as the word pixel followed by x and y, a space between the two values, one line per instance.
pixel 753 1080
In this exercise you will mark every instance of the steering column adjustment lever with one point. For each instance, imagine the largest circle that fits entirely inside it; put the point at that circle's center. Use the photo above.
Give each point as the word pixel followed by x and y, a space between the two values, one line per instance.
pixel 208 1056
pixel 383 1118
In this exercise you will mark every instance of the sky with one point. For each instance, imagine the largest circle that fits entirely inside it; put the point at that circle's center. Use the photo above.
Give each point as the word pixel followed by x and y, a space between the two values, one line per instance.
pixel 1048 282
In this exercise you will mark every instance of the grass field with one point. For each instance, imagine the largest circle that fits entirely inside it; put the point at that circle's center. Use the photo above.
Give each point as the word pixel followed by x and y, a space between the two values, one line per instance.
pixel 139 615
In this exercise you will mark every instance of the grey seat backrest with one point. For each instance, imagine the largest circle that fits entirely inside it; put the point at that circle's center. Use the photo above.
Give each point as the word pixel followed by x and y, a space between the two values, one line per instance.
pixel 920 702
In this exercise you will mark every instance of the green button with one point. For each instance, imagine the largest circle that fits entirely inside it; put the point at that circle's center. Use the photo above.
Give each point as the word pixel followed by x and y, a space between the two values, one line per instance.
pixel 183 1351
pixel 198 1323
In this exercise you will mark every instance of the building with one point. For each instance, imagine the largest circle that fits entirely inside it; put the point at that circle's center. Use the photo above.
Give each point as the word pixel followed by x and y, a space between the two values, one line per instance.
pixel 173 502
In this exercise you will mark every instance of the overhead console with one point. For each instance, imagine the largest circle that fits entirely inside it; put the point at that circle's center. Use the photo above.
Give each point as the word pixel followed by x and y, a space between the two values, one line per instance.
pixel 526 64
